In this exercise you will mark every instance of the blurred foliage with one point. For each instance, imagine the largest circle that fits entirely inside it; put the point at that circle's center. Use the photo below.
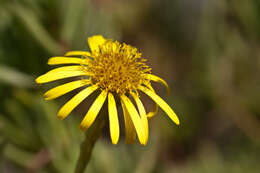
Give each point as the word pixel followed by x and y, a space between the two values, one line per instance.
pixel 208 51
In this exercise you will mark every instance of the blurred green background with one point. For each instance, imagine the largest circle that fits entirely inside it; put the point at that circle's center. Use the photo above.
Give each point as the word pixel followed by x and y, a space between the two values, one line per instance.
pixel 207 50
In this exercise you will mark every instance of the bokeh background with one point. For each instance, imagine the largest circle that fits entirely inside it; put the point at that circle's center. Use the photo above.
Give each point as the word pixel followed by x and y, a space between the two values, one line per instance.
pixel 207 50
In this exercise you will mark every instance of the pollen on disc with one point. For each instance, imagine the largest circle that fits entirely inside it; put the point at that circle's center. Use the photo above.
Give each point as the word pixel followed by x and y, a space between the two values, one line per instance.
pixel 118 67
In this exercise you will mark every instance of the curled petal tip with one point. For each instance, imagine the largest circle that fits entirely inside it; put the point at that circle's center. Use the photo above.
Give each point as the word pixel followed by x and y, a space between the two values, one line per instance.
pixel 143 143
pixel 47 98
pixel 175 119
pixel 82 127
pixel 114 142
pixel 177 122
pixel 38 80
pixel 61 117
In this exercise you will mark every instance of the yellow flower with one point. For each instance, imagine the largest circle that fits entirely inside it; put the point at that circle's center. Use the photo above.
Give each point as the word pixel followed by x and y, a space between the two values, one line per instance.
pixel 118 72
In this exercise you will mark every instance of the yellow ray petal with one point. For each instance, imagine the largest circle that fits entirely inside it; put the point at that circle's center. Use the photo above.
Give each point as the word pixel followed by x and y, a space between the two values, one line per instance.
pixel 130 134
pixel 49 77
pixel 78 53
pixel 159 80
pixel 167 109
pixel 113 119
pixel 142 113
pixel 138 124
pixel 75 101
pixel 67 68
pixel 154 111
pixel 64 60
pixel 62 72
pixel 93 111
pixel 96 41
pixel 63 89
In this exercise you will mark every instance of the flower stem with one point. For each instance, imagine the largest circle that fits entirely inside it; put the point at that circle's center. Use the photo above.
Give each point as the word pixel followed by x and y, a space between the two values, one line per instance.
pixel 91 136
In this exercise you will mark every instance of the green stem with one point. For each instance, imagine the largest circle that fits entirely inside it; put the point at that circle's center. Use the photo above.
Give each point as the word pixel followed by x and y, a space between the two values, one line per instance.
pixel 91 136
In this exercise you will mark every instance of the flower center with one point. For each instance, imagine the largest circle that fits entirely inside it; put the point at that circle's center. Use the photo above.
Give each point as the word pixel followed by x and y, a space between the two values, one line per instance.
pixel 117 67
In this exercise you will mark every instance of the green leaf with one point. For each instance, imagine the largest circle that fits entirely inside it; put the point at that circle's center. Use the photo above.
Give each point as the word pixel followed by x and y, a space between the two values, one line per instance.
pixel 14 77
pixel 18 156
pixel 16 135
pixel 33 24
pixel 73 12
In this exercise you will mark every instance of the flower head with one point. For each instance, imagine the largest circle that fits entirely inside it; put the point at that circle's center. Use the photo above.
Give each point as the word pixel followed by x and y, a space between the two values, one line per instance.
pixel 117 71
